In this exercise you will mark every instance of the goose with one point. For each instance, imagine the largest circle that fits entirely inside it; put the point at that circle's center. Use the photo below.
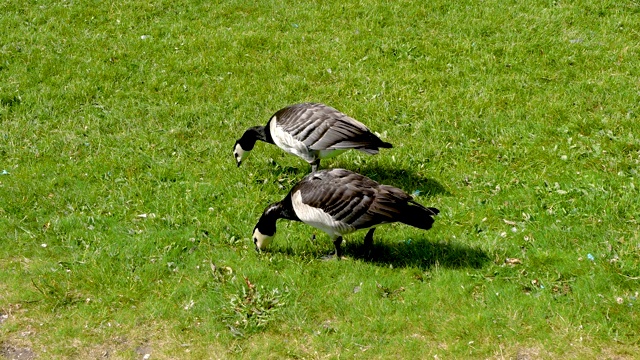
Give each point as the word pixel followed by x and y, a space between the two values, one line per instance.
pixel 339 202
pixel 311 131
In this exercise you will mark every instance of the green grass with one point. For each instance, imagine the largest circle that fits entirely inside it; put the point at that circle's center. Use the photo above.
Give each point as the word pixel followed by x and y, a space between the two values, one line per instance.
pixel 518 120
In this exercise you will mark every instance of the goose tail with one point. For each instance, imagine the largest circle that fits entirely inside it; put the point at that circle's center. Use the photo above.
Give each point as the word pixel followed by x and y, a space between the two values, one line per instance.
pixel 385 145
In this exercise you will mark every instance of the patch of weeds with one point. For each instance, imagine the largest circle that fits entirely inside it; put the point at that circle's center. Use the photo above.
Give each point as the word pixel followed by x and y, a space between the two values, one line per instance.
pixel 9 101
pixel 387 292
pixel 326 328
pixel 623 257
pixel 221 274
pixel 253 308
pixel 561 289
pixel 423 276
pixel 233 240
pixel 57 293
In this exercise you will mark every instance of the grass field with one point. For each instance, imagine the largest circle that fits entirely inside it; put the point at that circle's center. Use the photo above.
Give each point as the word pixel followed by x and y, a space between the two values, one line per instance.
pixel 125 224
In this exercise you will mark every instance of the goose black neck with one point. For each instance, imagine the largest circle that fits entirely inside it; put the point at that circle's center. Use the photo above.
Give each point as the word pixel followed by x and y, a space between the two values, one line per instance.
pixel 273 212
pixel 286 209
pixel 281 210
pixel 249 138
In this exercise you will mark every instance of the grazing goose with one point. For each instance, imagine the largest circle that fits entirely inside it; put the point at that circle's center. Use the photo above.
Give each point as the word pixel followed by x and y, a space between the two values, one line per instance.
pixel 312 132
pixel 339 202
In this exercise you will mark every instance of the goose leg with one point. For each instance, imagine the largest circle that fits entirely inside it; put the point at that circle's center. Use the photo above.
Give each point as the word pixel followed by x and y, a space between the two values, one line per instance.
pixel 368 242
pixel 337 255
pixel 313 238
pixel 314 165
pixel 337 242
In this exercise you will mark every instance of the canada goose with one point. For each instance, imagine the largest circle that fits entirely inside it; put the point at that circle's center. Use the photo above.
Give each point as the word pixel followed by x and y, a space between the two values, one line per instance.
pixel 310 131
pixel 339 202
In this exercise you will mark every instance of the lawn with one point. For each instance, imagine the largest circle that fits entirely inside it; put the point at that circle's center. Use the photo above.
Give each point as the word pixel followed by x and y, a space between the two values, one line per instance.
pixel 125 224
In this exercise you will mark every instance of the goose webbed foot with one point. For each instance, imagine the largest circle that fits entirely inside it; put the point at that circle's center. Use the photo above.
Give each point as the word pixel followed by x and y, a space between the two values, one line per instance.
pixel 337 255
pixel 329 257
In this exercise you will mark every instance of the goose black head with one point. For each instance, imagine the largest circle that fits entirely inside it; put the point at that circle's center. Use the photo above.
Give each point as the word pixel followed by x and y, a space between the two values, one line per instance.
pixel 265 229
pixel 239 153
pixel 246 143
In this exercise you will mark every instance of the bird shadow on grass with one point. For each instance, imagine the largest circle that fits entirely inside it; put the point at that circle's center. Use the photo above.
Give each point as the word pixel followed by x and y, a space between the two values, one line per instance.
pixel 284 175
pixel 405 179
pixel 419 253
pixel 278 169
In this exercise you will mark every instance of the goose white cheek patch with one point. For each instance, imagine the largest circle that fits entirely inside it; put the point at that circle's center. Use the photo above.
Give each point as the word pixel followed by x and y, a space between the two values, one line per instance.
pixel 239 153
pixel 262 241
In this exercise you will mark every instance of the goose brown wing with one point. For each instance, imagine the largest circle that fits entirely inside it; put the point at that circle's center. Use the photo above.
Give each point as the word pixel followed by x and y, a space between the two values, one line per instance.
pixel 339 193
pixel 322 127
pixel 347 197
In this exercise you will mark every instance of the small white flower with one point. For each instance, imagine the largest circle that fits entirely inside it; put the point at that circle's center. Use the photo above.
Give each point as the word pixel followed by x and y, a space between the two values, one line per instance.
pixel 189 305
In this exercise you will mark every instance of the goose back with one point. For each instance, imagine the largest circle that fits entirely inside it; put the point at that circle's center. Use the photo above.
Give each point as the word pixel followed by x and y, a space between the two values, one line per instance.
pixel 344 201
pixel 321 127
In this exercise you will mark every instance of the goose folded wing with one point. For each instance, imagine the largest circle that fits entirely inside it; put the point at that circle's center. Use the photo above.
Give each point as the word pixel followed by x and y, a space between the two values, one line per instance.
pixel 343 133
pixel 386 207
pixel 322 127
pixel 346 204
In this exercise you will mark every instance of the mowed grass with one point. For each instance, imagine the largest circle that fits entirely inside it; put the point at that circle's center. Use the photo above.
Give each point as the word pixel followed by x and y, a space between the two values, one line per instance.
pixel 125 224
